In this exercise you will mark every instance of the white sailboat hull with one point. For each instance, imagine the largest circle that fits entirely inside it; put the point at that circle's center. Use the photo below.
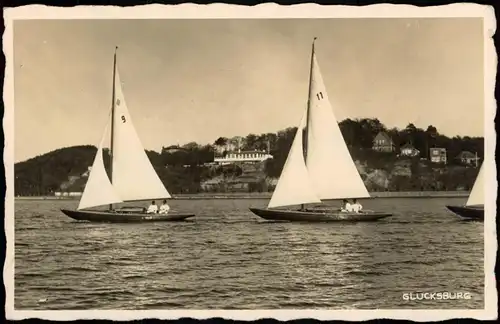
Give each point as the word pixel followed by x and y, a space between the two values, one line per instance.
pixel 318 215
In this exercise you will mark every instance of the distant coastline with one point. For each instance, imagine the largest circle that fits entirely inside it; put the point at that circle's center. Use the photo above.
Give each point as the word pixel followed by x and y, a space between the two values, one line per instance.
pixel 397 160
pixel 267 195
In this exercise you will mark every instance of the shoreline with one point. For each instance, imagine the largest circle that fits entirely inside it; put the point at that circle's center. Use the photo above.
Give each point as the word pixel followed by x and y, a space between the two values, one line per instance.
pixel 267 195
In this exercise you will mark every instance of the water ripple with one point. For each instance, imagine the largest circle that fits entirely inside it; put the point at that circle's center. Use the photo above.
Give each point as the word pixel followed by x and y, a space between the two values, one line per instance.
pixel 228 258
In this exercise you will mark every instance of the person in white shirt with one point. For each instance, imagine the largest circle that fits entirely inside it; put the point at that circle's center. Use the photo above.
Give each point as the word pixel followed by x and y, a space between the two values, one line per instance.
pixel 346 206
pixel 164 208
pixel 153 208
pixel 356 206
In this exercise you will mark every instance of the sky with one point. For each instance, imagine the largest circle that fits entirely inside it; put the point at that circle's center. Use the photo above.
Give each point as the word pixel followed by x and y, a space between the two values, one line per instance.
pixel 196 80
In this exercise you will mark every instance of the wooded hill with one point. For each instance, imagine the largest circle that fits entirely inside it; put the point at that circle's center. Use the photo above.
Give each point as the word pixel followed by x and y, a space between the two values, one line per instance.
pixel 183 170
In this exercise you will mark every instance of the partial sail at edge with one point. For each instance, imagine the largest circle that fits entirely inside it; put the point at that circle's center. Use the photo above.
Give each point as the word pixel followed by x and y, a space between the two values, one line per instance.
pixel 134 177
pixel 98 190
pixel 476 196
pixel 331 167
pixel 294 185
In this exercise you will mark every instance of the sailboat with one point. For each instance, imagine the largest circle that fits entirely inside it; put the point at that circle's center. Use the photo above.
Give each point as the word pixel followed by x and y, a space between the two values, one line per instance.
pixel 322 169
pixel 474 207
pixel 132 176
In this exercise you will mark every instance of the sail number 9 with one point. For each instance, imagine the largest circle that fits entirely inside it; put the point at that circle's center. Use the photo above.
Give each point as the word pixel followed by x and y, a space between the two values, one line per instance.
pixel 123 119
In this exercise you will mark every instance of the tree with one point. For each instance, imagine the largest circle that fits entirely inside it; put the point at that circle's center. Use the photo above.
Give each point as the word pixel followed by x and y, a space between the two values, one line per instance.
pixel 221 141
pixel 351 132
pixel 237 142
pixel 395 134
pixel 369 128
pixel 431 134
pixel 190 146
pixel 251 142
pixel 183 169
pixel 284 142
pixel 431 131
pixel 410 128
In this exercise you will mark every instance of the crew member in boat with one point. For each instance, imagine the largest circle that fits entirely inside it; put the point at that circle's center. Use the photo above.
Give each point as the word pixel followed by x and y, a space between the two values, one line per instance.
pixel 346 206
pixel 164 208
pixel 153 208
pixel 356 206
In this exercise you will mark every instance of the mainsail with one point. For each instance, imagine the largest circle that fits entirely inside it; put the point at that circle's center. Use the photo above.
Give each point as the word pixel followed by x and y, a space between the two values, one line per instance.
pixel 328 171
pixel 476 196
pixel 133 175
pixel 329 162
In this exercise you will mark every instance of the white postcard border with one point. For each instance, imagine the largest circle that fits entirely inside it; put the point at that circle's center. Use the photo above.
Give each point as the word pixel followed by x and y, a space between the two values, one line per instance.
pixel 269 10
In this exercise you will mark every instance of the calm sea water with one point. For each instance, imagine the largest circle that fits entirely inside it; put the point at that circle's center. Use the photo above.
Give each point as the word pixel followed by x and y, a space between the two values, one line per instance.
pixel 229 258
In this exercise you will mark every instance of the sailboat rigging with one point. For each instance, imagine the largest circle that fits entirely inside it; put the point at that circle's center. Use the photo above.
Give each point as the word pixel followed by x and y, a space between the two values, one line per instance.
pixel 131 177
pixel 319 169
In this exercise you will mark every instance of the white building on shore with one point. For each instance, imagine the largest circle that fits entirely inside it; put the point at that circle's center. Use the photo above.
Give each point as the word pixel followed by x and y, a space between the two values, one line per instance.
pixel 243 157
pixel 68 194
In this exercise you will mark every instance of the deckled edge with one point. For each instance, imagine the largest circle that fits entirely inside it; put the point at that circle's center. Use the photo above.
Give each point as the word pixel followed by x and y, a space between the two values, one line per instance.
pixel 268 10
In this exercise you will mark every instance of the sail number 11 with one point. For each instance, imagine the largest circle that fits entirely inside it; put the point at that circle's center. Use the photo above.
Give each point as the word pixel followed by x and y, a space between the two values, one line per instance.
pixel 319 95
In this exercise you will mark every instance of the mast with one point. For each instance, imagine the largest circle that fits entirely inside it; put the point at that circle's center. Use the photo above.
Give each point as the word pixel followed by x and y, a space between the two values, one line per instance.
pixel 112 124
pixel 308 106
